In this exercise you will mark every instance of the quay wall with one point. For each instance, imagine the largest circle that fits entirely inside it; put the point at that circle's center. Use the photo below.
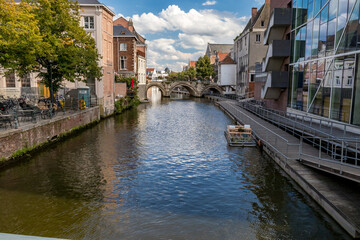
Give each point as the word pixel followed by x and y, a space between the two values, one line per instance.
pixel 294 172
pixel 44 132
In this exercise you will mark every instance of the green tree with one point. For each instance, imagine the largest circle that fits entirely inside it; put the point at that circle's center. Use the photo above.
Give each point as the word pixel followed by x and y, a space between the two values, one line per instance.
pixel 69 52
pixel 204 68
pixel 190 73
pixel 20 39
pixel 48 40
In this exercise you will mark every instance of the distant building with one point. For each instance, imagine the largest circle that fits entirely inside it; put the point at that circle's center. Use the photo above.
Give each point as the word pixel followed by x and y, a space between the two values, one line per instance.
pixel 152 74
pixel 130 53
pixel 190 65
pixel 249 49
pixel 227 75
pixel 213 50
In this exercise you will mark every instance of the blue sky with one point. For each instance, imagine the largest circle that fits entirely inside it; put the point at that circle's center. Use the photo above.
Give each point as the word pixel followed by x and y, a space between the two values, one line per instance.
pixel 178 31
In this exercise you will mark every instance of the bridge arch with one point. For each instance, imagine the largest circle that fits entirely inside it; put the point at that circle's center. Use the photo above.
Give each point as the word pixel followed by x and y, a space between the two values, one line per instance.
pixel 214 87
pixel 158 85
pixel 187 85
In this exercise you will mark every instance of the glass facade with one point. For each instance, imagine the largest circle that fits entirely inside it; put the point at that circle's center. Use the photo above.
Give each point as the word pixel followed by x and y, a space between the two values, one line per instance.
pixel 325 59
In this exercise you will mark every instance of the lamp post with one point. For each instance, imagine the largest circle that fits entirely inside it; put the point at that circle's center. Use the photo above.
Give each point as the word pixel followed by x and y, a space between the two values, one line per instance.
pixel 51 90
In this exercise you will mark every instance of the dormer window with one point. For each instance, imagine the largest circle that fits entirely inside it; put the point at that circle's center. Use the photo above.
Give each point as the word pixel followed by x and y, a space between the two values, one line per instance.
pixel 263 23
pixel 89 22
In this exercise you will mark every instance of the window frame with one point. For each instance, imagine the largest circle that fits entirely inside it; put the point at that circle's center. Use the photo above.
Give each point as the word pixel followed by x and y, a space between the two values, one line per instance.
pixel 123 60
pixel 87 21
pixel 258 38
pixel 123 49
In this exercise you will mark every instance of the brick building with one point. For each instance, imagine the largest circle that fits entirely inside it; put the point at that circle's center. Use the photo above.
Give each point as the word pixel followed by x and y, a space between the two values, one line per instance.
pixel 130 53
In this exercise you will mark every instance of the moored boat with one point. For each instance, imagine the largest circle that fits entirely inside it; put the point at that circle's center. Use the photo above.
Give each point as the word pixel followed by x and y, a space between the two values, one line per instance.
pixel 239 136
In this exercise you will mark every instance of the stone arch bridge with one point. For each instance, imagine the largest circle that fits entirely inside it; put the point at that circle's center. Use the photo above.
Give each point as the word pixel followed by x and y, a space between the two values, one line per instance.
pixel 196 89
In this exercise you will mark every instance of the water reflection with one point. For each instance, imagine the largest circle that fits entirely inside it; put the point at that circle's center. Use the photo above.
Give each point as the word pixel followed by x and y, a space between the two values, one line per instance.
pixel 161 172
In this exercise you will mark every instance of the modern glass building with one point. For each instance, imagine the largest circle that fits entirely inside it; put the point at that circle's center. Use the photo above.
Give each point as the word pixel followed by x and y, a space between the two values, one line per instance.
pixel 325 59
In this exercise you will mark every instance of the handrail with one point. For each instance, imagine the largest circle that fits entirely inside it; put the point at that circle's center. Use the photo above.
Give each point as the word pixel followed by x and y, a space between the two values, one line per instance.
pixel 277 136
pixel 314 130
pixel 338 156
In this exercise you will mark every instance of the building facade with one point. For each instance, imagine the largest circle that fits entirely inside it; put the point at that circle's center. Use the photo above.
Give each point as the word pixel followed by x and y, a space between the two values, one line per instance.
pixel 325 77
pixel 130 50
pixel 125 58
pixel 272 75
pixel 96 18
pixel 227 75
pixel 250 50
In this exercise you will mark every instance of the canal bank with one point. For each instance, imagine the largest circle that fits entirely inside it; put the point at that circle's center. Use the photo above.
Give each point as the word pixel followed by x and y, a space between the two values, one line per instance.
pixel 338 197
pixel 162 171
pixel 17 143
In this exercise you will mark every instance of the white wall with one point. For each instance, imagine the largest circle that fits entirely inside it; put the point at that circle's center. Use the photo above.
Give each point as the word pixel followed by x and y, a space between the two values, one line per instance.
pixel 227 75
pixel 142 70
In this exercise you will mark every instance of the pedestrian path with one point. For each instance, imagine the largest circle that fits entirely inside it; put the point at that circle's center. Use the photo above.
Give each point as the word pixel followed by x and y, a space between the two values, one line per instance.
pixel 337 196
pixel 289 146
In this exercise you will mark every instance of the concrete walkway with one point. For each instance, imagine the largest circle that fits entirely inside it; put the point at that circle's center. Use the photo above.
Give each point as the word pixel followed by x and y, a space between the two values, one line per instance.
pixel 339 197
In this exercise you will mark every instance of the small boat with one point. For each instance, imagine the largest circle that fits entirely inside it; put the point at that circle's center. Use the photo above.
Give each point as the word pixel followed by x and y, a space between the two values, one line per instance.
pixel 239 136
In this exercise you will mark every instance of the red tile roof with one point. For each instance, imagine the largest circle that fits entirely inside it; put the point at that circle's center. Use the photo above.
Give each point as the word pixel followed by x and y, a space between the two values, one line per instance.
pixel 192 63
pixel 222 56
pixel 227 60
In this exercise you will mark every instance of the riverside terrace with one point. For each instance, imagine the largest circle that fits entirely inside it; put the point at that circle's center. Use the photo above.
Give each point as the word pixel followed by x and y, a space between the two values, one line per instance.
pixel 24 112
pixel 321 156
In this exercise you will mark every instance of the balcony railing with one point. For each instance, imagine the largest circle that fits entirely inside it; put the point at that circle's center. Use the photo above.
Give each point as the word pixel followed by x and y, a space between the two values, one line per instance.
pixel 277 51
pixel 280 19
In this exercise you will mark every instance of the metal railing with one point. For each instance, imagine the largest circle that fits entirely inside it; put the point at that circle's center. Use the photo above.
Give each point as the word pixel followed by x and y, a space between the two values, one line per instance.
pixel 311 130
pixel 322 122
pixel 339 155
pixel 300 123
pixel 37 110
pixel 275 141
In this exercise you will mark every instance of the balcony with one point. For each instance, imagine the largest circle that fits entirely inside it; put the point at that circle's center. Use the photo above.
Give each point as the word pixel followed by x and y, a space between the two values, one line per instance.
pixel 277 52
pixel 276 82
pixel 280 19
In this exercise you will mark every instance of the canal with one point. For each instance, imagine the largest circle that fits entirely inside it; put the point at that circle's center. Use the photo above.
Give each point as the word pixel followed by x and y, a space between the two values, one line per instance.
pixel 162 171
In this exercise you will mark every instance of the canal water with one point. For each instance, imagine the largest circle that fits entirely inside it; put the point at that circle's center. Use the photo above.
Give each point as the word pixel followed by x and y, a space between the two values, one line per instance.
pixel 163 171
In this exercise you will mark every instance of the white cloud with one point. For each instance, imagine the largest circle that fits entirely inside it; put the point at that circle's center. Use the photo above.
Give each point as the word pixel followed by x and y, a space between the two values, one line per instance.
pixel 207 3
pixel 149 23
pixel 195 29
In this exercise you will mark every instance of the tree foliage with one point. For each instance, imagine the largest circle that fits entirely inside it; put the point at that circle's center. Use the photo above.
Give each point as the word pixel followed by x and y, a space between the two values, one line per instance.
pixel 203 68
pixel 187 75
pixel 20 38
pixel 69 52
pixel 48 40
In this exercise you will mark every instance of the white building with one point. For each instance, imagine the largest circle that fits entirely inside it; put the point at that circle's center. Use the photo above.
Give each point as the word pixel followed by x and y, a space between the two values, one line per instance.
pixel 227 75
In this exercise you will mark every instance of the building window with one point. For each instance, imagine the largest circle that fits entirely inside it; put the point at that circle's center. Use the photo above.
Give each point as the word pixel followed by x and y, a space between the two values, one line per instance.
pixel 123 63
pixel 89 22
pixel 123 47
pixel 262 23
pixel 10 80
pixel 337 80
pixel 25 81
pixel 257 38
pixel 349 81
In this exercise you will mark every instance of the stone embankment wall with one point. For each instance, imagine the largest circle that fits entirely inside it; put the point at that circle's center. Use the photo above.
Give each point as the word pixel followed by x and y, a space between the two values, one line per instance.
pixel 45 131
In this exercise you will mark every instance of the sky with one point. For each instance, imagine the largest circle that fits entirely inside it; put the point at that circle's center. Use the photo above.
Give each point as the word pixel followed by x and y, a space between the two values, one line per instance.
pixel 178 31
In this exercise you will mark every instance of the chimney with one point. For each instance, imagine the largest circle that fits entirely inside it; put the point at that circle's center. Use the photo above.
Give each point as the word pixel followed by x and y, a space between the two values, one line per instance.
pixel 131 25
pixel 253 13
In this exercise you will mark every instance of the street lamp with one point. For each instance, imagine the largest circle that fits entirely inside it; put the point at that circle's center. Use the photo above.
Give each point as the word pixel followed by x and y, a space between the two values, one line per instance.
pixel 51 90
